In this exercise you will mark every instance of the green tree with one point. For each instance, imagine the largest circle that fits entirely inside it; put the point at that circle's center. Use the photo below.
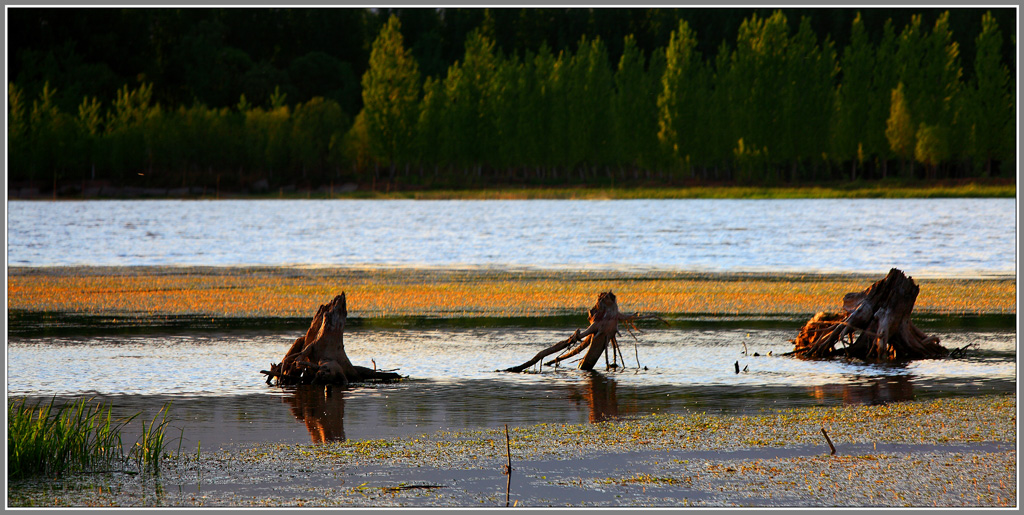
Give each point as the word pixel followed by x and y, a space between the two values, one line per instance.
pixel 588 94
pixel 854 99
pixel 506 106
pixel 930 71
pixel 900 127
pixel 680 97
pixel 543 112
pixel 558 87
pixel 941 100
pixel 628 105
pixel 533 122
pixel 472 98
pixel 884 79
pixel 650 151
pixel 989 109
pixel 931 146
pixel 314 125
pixel 267 137
pixel 758 78
pixel 18 128
pixel 717 112
pixel 430 127
pixel 808 99
pixel 391 87
pixel 355 146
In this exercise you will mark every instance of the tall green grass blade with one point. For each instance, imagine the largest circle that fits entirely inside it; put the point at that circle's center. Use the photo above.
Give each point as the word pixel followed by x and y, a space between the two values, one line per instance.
pixel 44 440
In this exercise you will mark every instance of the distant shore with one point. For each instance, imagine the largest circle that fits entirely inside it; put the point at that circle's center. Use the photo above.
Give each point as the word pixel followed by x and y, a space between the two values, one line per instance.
pixel 965 188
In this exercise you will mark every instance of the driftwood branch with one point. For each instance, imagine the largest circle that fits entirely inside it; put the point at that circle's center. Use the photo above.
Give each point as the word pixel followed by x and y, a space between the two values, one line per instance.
pixel 595 340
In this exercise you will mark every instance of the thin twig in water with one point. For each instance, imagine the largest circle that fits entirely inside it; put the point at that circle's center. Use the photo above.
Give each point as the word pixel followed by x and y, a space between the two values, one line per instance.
pixel 829 440
pixel 508 465
pixel 408 487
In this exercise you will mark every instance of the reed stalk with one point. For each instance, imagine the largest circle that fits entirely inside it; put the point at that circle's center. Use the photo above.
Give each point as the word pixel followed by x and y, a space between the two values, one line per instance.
pixel 51 441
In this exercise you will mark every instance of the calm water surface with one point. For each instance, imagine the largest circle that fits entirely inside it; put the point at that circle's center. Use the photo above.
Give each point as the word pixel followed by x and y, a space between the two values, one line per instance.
pixel 920 236
pixel 218 395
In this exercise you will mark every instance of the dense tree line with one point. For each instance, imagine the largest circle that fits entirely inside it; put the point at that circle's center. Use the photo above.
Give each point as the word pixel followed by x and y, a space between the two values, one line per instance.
pixel 516 101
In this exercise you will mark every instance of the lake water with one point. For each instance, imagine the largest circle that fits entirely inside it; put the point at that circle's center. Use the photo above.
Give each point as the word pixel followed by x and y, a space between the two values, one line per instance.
pixel 452 382
pixel 923 237
pixel 219 398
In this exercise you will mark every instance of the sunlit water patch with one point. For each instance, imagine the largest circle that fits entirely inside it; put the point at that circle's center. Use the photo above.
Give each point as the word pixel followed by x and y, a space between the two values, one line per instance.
pixel 921 236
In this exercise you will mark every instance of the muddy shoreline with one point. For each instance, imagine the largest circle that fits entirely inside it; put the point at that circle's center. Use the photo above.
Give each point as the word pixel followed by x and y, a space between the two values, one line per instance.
pixel 946 452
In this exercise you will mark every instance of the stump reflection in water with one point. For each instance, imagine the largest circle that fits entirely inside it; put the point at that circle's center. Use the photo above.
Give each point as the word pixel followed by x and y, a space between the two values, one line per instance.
pixel 322 410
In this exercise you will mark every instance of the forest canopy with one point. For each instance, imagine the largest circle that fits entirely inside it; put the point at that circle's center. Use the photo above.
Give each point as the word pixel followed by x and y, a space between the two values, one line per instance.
pixel 257 98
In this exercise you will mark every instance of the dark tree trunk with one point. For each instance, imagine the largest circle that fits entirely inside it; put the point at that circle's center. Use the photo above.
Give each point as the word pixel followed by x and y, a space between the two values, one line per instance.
pixel 319 356
pixel 881 316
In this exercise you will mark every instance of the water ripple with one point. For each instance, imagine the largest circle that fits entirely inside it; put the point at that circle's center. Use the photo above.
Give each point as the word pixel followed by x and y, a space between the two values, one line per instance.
pixel 922 236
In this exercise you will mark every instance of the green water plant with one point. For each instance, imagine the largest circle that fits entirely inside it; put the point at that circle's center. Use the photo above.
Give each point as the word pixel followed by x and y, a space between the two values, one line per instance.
pixel 53 440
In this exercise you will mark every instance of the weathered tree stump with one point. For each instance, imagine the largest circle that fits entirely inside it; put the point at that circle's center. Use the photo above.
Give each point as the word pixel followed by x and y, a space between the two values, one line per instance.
pixel 596 340
pixel 881 314
pixel 319 356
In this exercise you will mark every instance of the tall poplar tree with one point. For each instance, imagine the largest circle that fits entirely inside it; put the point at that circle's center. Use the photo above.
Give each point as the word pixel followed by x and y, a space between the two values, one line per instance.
pixel 588 95
pixel 807 98
pixel 628 105
pixel 391 87
pixel 469 87
pixel 853 99
pixel 429 126
pixel 900 129
pixel 884 79
pixel 990 107
pixel 680 97
pixel 758 78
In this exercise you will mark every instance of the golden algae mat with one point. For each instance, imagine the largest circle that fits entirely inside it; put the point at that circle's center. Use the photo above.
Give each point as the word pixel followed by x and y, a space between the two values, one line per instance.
pixel 452 293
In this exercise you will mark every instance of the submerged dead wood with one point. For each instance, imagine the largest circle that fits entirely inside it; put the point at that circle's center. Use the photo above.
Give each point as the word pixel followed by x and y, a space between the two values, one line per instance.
pixel 881 316
pixel 319 356
pixel 596 340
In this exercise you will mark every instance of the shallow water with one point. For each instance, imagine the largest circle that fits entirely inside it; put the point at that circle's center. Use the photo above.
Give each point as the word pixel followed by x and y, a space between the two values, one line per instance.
pixel 960 237
pixel 219 398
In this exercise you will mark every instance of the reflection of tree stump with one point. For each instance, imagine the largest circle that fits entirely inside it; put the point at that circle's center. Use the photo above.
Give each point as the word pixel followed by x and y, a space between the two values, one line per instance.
pixel 599 392
pixel 319 356
pixel 323 414
pixel 881 314
pixel 604 320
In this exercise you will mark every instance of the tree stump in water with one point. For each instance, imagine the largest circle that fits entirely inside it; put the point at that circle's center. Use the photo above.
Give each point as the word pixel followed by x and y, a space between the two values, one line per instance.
pixel 604 320
pixel 881 314
pixel 319 356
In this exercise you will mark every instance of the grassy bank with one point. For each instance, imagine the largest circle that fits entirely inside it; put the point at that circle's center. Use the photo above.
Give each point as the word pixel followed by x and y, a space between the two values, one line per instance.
pixel 890 188
pixel 385 293
pixel 883 189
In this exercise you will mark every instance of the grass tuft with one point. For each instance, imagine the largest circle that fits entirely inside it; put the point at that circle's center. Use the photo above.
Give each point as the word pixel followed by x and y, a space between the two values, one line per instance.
pixel 49 440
